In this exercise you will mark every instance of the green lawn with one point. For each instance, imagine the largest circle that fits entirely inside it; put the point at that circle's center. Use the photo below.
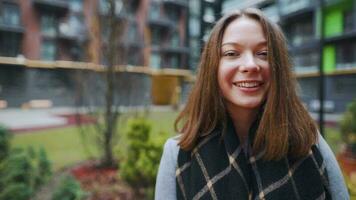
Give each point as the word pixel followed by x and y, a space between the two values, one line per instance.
pixel 64 145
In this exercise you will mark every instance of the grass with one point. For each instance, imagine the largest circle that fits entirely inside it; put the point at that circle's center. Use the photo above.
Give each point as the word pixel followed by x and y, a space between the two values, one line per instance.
pixel 65 147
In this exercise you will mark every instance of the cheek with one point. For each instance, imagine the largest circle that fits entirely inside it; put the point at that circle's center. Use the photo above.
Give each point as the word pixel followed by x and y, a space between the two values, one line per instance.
pixel 225 74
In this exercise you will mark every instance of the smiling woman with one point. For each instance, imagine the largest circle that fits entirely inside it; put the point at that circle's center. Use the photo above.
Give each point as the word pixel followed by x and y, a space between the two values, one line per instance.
pixel 244 132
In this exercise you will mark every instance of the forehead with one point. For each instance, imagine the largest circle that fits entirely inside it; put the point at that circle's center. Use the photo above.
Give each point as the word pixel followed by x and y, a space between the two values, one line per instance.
pixel 244 30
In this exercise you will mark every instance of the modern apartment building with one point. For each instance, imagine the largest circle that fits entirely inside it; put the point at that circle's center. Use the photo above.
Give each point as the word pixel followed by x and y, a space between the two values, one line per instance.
pixel 301 21
pixel 154 36
pixel 155 32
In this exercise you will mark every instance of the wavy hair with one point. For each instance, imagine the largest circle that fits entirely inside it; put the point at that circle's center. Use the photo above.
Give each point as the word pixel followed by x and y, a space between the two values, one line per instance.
pixel 285 128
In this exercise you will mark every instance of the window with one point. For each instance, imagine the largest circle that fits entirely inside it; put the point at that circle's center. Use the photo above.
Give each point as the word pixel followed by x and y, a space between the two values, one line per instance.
pixel 209 15
pixel 104 6
pixel 9 44
pixel 154 12
pixel 173 14
pixel 175 40
pixel 194 26
pixel 76 5
pixel 132 33
pixel 194 7
pixel 10 14
pixel 306 61
pixel 300 32
pixel 155 36
pixel 49 25
pixel 349 21
pixel 155 60
pixel 48 50
pixel 174 61
pixel 346 55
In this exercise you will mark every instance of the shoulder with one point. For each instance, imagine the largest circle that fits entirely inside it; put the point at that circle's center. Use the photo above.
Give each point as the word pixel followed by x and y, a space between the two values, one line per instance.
pixel 171 147
pixel 336 181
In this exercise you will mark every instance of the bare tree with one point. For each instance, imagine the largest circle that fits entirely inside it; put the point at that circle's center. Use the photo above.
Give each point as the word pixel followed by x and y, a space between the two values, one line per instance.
pixel 106 112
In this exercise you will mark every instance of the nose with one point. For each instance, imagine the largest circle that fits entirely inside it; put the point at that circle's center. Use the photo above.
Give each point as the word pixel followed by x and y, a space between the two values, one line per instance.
pixel 248 64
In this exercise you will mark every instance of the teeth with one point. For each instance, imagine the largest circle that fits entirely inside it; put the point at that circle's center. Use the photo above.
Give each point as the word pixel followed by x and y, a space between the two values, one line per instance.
pixel 247 84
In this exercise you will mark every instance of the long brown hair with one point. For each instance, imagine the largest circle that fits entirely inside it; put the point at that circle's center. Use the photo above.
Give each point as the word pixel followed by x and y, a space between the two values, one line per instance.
pixel 285 126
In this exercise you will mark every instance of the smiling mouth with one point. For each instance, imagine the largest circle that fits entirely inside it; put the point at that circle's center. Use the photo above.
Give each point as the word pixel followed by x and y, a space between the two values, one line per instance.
pixel 247 84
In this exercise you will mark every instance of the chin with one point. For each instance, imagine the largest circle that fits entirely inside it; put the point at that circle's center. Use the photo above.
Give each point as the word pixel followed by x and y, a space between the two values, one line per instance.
pixel 247 104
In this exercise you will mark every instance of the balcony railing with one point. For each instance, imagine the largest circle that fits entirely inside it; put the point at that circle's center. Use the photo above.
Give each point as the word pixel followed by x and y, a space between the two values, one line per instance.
pixel 291 6
pixel 58 6
pixel 11 28
pixel 176 3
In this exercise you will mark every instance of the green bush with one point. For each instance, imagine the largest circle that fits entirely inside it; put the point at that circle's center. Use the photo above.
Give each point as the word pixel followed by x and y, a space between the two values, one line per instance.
pixel 348 126
pixel 69 189
pixel 21 171
pixel 16 191
pixel 4 142
pixel 139 164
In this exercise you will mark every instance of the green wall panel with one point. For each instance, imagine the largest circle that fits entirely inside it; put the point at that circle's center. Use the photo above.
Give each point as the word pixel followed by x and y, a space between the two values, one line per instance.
pixel 333 22
pixel 329 58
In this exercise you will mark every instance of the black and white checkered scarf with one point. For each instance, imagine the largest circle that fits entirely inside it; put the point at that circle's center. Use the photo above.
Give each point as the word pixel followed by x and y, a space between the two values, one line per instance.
pixel 219 168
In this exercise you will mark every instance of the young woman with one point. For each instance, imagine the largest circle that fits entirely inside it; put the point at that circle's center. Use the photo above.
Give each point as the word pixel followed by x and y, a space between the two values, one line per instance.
pixel 245 134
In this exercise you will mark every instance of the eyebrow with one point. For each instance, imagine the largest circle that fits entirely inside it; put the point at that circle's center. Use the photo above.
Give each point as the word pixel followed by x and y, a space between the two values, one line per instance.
pixel 262 43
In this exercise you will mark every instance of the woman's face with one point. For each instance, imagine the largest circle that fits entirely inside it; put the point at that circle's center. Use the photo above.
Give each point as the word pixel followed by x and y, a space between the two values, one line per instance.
pixel 244 72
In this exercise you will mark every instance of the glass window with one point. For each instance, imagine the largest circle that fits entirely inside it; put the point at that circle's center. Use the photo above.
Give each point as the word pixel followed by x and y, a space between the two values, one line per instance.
pixel 306 61
pixel 194 26
pixel 132 33
pixel 9 44
pixel 155 36
pixel 10 14
pixel 349 22
pixel 194 7
pixel 49 25
pixel 175 40
pixel 154 12
pixel 76 5
pixel 300 32
pixel 174 61
pixel 346 55
pixel 104 6
pixel 155 60
pixel 209 15
pixel 48 50
pixel 173 14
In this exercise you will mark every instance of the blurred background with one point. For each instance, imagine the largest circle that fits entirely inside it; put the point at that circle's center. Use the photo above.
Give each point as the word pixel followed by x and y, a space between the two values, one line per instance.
pixel 90 89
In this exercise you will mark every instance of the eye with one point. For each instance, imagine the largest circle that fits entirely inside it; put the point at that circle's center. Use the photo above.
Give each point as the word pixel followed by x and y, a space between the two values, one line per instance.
pixel 231 53
pixel 262 54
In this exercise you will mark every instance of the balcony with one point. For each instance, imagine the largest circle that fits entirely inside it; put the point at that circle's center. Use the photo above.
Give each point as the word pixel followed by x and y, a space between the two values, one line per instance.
pixel 176 3
pixel 159 22
pixel 11 28
pixel 290 8
pixel 271 12
pixel 175 50
pixel 58 6
pixel 73 29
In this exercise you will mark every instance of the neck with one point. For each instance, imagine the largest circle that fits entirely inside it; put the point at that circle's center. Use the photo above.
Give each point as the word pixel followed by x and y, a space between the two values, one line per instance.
pixel 242 119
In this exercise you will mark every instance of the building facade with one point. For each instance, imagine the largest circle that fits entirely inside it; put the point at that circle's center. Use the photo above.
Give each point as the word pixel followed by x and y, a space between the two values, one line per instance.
pixel 55 34
pixel 307 37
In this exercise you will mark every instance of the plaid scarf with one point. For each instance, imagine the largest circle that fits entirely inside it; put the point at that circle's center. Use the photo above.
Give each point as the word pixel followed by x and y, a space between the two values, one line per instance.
pixel 219 168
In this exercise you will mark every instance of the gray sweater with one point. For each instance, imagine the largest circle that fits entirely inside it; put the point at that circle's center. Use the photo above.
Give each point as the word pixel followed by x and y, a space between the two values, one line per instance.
pixel 166 183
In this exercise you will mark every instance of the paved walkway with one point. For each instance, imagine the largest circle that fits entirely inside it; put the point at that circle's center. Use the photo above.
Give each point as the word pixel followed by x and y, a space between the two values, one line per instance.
pixel 20 120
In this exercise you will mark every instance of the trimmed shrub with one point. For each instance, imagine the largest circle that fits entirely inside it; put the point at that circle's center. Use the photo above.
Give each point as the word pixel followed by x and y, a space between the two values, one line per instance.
pixel 69 189
pixel 139 164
